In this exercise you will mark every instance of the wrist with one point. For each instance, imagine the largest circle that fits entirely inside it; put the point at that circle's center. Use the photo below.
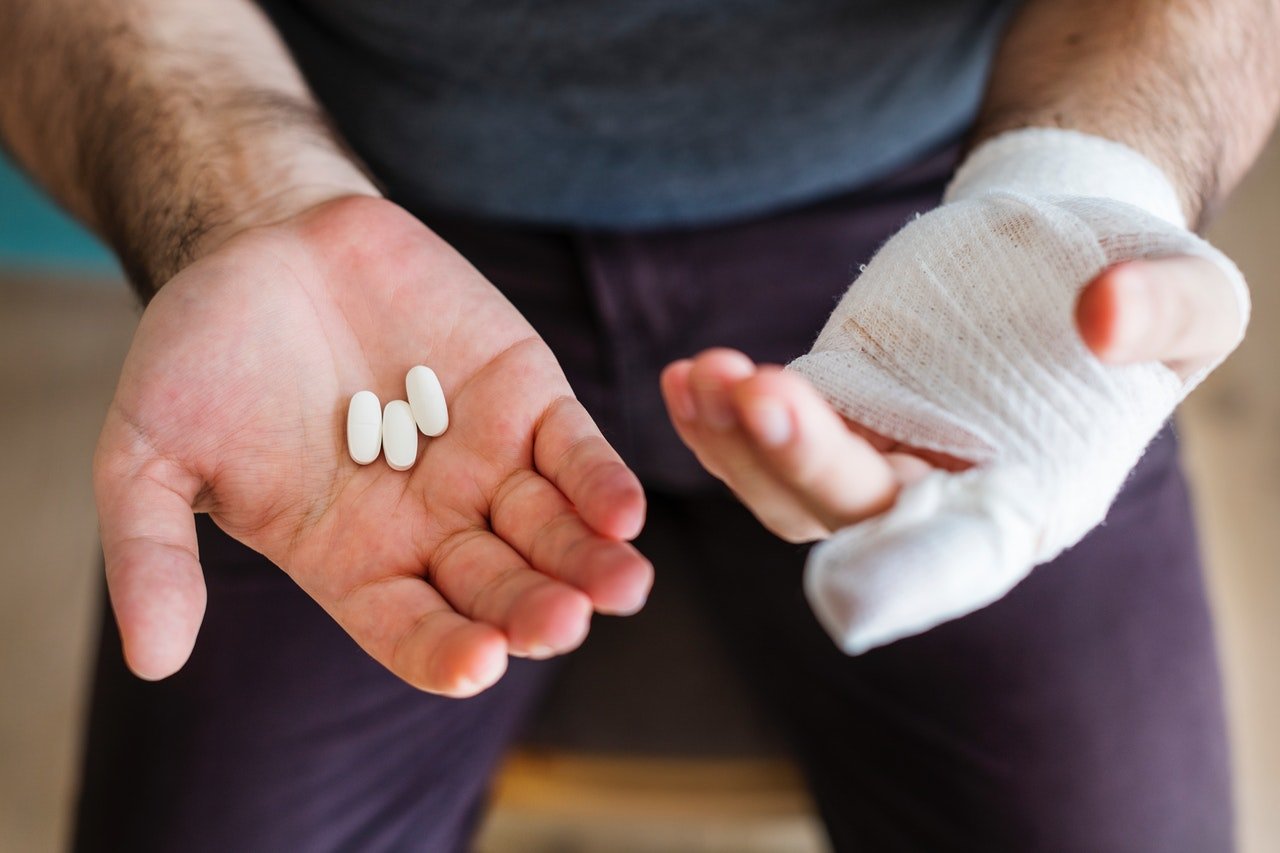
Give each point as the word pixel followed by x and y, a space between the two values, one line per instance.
pixel 211 198
pixel 1052 162
pixel 312 184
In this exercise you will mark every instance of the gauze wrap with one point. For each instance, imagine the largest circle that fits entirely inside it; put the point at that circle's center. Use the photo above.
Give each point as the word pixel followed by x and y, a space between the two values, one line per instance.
pixel 959 337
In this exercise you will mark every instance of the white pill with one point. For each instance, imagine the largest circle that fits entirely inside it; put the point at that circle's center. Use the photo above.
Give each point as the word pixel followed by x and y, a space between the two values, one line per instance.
pixel 426 399
pixel 399 436
pixel 364 427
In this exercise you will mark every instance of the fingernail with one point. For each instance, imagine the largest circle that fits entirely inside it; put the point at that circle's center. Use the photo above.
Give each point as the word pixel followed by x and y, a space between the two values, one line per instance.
pixel 682 402
pixel 769 422
pixel 716 410
pixel 541 652
pixel 633 610
pixel 1134 326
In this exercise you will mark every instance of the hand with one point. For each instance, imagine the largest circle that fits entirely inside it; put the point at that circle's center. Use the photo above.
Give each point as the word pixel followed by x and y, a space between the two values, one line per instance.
pixel 505 536
pixel 806 472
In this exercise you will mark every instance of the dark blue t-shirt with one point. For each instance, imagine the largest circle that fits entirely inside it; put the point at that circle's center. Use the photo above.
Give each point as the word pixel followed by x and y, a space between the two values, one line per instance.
pixel 640 113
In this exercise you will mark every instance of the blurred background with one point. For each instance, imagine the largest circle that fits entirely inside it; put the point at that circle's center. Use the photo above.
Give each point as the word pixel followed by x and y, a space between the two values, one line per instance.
pixel 705 778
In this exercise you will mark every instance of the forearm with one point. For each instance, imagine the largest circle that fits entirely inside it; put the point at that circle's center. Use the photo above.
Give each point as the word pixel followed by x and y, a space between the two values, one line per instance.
pixel 1191 84
pixel 164 125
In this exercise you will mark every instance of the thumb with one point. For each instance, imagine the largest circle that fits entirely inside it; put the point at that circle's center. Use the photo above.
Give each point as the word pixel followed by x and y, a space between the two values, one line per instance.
pixel 152 560
pixel 1184 311
pixel 952 544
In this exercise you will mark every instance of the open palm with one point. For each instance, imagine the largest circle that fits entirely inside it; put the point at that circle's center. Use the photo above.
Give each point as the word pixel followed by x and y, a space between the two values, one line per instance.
pixel 505 536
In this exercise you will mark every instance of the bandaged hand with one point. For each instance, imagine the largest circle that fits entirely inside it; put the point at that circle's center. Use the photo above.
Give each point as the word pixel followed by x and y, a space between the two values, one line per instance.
pixel 957 345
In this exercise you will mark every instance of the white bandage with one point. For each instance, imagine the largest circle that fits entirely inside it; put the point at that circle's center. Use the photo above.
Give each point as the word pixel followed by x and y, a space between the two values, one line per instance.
pixel 959 337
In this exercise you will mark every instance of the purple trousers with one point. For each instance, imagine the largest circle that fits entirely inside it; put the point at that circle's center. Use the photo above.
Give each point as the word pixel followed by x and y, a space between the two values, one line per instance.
pixel 1082 712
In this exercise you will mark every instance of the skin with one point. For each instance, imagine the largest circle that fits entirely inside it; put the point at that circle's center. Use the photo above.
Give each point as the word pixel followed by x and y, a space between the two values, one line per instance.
pixel 280 283
pixel 503 538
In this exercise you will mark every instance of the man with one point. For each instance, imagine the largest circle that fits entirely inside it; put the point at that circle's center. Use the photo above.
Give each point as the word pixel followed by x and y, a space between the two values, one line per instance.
pixel 632 185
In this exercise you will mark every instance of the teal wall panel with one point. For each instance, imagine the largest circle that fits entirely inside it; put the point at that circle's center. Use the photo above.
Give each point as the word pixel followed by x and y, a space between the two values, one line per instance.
pixel 36 235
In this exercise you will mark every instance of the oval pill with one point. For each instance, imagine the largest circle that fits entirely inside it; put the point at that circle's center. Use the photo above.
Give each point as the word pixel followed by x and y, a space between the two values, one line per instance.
pixel 426 399
pixel 364 427
pixel 399 436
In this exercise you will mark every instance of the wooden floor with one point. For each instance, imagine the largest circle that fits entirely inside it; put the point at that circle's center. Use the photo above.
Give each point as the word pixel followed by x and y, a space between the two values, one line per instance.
pixel 60 348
